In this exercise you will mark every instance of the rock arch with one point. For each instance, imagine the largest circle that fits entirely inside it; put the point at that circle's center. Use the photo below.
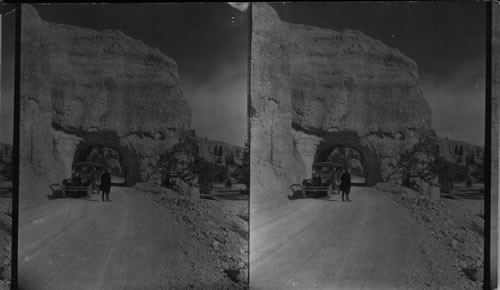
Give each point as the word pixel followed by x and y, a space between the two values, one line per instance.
pixel 369 157
pixel 107 139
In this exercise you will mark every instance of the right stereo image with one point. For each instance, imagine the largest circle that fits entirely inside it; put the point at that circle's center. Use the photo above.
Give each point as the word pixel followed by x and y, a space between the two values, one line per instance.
pixel 370 146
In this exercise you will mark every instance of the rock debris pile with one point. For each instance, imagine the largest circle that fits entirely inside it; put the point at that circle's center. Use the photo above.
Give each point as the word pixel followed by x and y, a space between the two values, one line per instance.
pixel 218 237
pixel 455 227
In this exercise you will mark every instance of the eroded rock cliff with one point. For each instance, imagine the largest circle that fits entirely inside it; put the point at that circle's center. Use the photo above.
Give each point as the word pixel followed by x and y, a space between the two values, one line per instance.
pixel 210 150
pixel 313 89
pixel 82 88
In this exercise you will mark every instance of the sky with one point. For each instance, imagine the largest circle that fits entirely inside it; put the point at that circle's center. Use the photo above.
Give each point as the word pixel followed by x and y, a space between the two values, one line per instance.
pixel 447 40
pixel 209 43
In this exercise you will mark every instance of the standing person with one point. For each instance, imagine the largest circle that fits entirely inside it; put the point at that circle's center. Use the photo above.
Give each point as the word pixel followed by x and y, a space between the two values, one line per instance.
pixel 336 179
pixel 345 184
pixel 333 184
pixel 106 184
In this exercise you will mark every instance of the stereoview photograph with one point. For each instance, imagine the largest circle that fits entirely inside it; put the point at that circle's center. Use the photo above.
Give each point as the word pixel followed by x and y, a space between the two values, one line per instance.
pixel 134 156
pixel 367 145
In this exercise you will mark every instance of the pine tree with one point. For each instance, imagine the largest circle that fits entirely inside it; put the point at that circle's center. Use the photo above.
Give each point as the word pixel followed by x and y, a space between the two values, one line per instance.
pixel 230 158
pixel 472 159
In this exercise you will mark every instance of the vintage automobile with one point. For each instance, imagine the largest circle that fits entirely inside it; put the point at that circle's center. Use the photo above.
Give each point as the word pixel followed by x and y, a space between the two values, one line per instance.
pixel 84 180
pixel 319 184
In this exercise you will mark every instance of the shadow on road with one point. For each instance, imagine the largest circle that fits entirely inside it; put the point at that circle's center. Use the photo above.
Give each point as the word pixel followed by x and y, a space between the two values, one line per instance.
pixel 298 193
pixel 465 194
pixel 119 184
pixel 470 195
pixel 58 193
pixel 229 196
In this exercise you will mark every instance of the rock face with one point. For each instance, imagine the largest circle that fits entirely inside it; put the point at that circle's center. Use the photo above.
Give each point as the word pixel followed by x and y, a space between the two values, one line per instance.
pixel 313 89
pixel 5 162
pixel 456 151
pixel 208 148
pixel 82 88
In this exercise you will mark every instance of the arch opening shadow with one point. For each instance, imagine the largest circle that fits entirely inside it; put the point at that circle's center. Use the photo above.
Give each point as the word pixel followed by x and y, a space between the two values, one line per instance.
pixel 349 157
pixel 111 159
pixel 106 149
pixel 363 162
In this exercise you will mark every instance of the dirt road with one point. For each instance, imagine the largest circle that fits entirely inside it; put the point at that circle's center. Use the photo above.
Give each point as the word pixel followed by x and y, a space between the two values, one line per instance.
pixel 89 244
pixel 318 243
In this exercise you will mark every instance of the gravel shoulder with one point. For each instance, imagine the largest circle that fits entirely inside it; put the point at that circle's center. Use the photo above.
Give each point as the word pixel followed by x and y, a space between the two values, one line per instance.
pixel 213 248
pixel 451 235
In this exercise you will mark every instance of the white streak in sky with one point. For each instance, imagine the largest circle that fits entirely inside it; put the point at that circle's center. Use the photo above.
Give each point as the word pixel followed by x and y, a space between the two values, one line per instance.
pixel 241 6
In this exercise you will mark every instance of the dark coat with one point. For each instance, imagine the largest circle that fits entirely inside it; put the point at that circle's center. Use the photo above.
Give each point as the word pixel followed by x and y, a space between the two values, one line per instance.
pixel 105 181
pixel 345 182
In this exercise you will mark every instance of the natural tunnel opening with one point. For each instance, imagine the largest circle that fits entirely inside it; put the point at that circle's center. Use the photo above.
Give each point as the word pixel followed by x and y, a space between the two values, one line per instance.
pixel 347 157
pixel 109 158
pixel 344 149
pixel 106 149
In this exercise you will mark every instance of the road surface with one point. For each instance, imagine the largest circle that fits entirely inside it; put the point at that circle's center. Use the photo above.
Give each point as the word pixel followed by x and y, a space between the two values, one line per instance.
pixel 89 244
pixel 318 243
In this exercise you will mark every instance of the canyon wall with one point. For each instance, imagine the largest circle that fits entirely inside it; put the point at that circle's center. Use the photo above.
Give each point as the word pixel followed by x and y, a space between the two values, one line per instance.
pixel 313 89
pixel 208 149
pixel 82 88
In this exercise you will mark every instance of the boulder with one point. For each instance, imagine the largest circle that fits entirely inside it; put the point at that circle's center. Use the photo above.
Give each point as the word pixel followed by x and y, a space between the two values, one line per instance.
pixel 82 88
pixel 237 274
pixel 314 89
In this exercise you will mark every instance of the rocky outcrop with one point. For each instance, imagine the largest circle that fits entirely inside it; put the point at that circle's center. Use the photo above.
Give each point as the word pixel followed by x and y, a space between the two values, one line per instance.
pixel 5 162
pixel 209 149
pixel 457 151
pixel 82 88
pixel 313 89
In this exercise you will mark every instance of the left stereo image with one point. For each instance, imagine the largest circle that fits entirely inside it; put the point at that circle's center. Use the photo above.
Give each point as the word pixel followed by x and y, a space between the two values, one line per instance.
pixel 134 152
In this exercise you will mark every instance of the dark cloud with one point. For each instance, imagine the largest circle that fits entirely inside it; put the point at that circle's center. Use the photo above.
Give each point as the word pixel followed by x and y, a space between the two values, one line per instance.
pixel 458 102
pixel 219 105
